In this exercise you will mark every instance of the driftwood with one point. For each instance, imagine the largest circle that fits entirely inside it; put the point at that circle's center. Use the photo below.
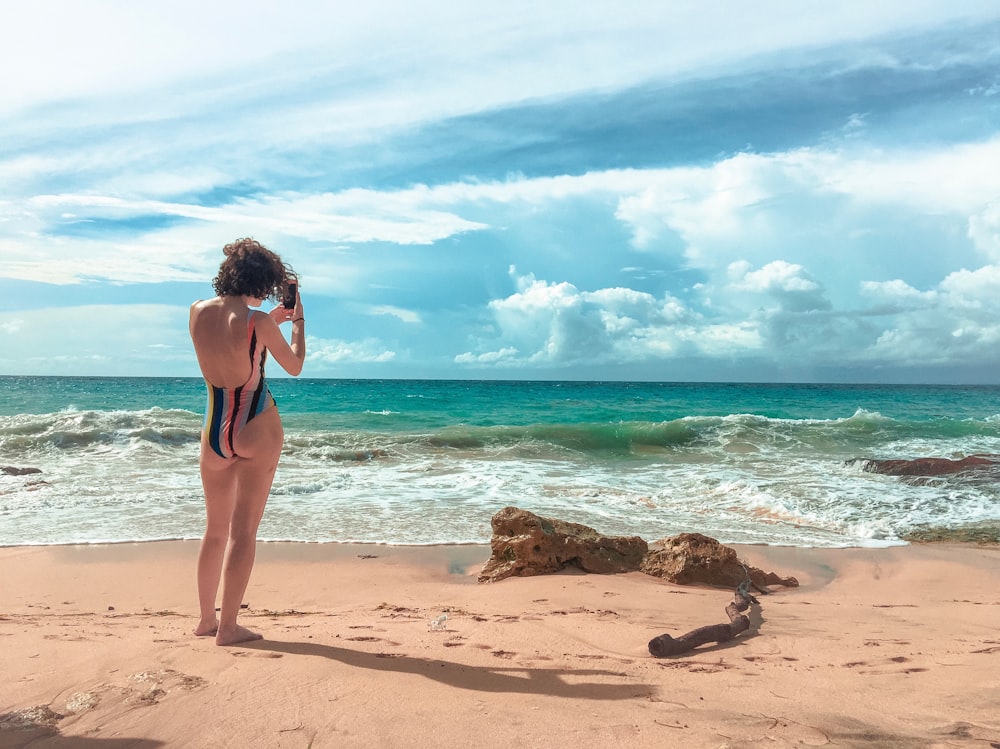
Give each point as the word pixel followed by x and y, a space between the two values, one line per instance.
pixel 665 645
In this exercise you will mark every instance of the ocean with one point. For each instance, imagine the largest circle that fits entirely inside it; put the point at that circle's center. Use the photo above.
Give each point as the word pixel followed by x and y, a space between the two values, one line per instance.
pixel 429 462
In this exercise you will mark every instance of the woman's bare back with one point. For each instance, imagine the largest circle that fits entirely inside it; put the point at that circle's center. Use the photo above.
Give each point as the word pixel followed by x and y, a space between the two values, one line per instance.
pixel 219 333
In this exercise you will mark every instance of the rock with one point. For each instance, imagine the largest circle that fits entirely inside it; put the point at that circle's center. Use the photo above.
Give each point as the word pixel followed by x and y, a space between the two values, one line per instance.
pixel 691 558
pixel 14 471
pixel 526 544
pixel 983 532
pixel 928 466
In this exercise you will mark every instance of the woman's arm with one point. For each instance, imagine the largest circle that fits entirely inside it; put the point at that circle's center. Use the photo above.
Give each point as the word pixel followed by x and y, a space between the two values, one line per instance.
pixel 290 356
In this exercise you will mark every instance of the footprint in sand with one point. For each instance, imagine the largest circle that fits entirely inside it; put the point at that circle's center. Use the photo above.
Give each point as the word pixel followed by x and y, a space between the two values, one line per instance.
pixel 695 667
pixel 755 658
pixel 995 647
pixel 395 612
pixel 149 687
pixel 874 668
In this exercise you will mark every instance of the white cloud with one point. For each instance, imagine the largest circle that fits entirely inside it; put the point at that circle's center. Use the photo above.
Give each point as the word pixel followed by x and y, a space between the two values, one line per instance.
pixel 897 295
pixel 789 283
pixel 957 321
pixel 407 316
pixel 755 200
pixel 508 354
pixel 777 277
pixel 556 324
pixel 323 351
pixel 61 260
pixel 977 290
pixel 427 44
pixel 737 209
pixel 37 250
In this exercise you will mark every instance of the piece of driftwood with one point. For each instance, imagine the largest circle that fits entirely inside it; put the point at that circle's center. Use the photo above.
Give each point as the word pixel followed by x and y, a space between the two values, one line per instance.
pixel 664 646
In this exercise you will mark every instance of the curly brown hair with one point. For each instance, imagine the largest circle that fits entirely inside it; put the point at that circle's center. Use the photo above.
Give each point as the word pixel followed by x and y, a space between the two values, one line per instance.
pixel 252 270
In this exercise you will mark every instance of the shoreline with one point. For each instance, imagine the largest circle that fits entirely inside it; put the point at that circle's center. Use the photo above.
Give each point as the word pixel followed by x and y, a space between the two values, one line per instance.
pixel 980 534
pixel 878 646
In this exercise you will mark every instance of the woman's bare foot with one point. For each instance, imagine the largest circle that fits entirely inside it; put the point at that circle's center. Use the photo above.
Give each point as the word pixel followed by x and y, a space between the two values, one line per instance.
pixel 238 634
pixel 207 629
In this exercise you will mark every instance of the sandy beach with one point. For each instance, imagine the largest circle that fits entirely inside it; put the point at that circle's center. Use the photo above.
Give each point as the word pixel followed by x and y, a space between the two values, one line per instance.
pixel 894 647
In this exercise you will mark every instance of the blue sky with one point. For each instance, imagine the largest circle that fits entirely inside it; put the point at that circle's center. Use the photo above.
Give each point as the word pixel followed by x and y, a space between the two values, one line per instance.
pixel 774 191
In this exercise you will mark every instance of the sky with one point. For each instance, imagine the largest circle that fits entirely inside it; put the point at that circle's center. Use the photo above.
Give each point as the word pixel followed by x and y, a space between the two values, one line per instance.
pixel 614 190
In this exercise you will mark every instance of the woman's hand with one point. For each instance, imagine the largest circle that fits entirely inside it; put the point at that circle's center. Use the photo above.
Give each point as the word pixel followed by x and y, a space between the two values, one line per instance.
pixel 282 314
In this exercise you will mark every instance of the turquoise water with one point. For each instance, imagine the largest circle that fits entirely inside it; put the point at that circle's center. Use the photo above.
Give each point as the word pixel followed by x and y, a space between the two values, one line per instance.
pixel 422 462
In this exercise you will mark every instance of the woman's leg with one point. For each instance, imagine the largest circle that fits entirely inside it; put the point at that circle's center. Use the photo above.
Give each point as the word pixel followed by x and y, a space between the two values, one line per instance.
pixel 259 445
pixel 218 479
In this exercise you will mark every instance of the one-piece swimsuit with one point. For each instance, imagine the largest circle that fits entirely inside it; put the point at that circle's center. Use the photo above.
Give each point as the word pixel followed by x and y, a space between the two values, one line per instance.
pixel 230 409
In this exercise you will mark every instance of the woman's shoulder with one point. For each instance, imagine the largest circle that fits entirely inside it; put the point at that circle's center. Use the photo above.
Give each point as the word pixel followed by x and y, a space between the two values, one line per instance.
pixel 210 306
pixel 199 304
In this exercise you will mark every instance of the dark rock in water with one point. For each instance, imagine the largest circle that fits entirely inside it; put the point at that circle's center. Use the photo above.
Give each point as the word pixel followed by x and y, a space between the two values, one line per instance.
pixel 986 532
pixel 929 466
pixel 526 544
pixel 14 471
pixel 691 558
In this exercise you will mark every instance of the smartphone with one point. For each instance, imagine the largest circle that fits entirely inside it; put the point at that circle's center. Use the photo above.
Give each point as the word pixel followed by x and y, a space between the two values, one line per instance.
pixel 289 300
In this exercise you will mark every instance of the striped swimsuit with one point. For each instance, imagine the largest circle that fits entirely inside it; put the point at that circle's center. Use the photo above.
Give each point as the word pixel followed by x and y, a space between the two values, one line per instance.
pixel 230 409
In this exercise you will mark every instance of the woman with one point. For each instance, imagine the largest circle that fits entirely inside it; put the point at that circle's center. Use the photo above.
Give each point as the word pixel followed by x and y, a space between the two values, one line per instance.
pixel 242 436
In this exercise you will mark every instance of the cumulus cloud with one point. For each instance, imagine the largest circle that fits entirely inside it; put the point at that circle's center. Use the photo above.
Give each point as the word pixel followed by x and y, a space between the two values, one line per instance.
pixel 789 283
pixel 896 296
pixel 324 351
pixel 957 320
pixel 508 354
pixel 751 202
pixel 557 324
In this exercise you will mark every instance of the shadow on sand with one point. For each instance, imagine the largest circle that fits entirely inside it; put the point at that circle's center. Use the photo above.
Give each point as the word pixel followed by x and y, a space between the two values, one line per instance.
pixel 528 680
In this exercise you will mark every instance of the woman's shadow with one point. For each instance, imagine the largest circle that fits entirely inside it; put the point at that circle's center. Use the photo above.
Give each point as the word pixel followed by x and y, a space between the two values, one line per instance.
pixel 547 681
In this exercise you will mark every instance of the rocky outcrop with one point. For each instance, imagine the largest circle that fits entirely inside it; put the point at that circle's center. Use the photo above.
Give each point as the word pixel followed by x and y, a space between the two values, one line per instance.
pixel 691 558
pixel 928 466
pixel 526 544
pixel 15 471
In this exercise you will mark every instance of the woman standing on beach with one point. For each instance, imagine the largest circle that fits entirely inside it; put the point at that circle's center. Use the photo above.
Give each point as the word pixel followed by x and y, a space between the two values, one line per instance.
pixel 242 436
